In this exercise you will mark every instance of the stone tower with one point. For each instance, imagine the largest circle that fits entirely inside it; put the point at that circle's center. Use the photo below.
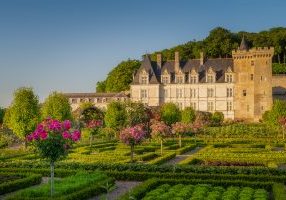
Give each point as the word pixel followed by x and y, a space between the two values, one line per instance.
pixel 253 81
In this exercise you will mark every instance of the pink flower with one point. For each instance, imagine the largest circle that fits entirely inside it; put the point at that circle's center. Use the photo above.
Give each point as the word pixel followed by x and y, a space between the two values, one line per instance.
pixel 66 135
pixel 29 137
pixel 55 125
pixel 133 135
pixel 66 125
pixel 75 136
pixel 43 135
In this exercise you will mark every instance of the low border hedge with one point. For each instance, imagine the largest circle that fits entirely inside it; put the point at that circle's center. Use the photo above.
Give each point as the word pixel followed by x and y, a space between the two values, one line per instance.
pixel 26 181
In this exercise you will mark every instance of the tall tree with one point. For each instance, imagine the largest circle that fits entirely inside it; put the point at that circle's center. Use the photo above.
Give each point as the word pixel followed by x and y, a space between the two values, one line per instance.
pixel 115 116
pixel 24 112
pixel 2 113
pixel 188 115
pixel 57 106
pixel 170 113
pixel 137 113
pixel 101 86
pixel 121 76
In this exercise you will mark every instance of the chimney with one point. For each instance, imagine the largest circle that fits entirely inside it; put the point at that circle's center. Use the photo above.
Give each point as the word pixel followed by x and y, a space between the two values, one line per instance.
pixel 177 61
pixel 202 58
pixel 159 60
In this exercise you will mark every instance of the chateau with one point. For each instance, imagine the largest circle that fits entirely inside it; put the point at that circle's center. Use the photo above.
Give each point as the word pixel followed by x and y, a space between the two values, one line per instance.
pixel 240 87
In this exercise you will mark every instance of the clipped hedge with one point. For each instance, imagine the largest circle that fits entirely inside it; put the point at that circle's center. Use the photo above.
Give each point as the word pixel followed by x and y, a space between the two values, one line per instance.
pixel 279 191
pixel 26 180
pixel 162 159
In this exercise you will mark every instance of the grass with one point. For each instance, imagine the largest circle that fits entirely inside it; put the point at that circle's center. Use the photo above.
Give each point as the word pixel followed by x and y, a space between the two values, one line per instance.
pixel 64 186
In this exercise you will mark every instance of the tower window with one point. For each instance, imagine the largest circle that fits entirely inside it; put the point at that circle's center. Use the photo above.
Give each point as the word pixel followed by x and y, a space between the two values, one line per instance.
pixel 252 63
pixel 244 93
pixel 251 77
pixel 261 78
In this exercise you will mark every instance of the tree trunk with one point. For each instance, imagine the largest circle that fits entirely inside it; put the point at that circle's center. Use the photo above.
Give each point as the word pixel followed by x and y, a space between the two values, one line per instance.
pixel 52 178
pixel 180 141
pixel 132 153
pixel 161 147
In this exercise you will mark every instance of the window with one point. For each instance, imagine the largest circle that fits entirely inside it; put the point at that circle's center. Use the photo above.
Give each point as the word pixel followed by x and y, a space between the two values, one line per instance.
pixel 244 93
pixel 229 92
pixel 252 63
pixel 143 94
pixel 193 93
pixel 210 106
pixel 229 78
pixel 180 105
pixel 251 77
pixel 262 108
pixel 229 106
pixel 165 79
pixel 165 93
pixel 194 105
pixel 90 100
pixel 210 92
pixel 144 79
pixel 179 79
pixel 74 100
pixel 261 78
pixel 210 79
pixel 193 79
pixel 179 93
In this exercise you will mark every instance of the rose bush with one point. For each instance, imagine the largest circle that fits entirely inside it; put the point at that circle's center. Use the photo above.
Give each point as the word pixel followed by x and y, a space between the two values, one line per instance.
pixel 159 131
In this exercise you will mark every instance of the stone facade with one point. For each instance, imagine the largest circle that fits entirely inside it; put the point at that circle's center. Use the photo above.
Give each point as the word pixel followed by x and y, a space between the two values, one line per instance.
pixel 240 87
pixel 99 100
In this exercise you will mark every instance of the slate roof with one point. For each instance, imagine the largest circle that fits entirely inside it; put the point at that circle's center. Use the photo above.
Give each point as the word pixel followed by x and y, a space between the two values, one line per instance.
pixel 219 65
pixel 87 95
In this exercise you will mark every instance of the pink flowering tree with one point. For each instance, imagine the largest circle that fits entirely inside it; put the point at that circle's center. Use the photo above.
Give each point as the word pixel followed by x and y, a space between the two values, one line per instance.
pixel 159 131
pixel 52 140
pixel 132 136
pixel 94 125
pixel 179 129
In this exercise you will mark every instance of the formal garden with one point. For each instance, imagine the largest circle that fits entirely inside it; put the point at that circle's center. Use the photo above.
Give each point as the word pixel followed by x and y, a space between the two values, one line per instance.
pixel 130 151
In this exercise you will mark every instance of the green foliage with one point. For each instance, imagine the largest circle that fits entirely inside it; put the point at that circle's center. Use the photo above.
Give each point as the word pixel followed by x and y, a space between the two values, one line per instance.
pixel 2 113
pixel 101 86
pixel 56 106
pixel 65 187
pixel 279 191
pixel 278 68
pixel 278 110
pixel 115 116
pixel 188 115
pixel 170 113
pixel 23 114
pixel 217 118
pixel 136 113
pixel 120 77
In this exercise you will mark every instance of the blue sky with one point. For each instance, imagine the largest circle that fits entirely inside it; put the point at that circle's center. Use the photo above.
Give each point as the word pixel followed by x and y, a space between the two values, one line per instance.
pixel 69 45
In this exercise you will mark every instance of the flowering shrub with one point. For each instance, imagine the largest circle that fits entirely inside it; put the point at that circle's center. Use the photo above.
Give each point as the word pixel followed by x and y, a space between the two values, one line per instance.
pixel 93 125
pixel 52 140
pixel 132 136
pixel 160 131
pixel 180 128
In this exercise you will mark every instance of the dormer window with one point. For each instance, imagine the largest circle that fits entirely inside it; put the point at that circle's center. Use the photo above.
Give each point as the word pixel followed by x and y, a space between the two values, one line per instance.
pixel 144 79
pixel 229 78
pixel 194 77
pixel 165 79
pixel 179 79
pixel 210 76
pixel 229 75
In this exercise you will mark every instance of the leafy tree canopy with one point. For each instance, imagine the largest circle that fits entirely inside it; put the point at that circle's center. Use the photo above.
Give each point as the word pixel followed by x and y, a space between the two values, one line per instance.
pixel 23 114
pixel 115 116
pixel 137 113
pixel 188 115
pixel 57 106
pixel 2 113
pixel 170 113
pixel 278 110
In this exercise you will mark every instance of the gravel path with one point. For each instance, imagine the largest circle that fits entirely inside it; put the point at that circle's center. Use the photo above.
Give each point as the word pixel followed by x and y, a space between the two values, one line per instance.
pixel 121 188
pixel 179 158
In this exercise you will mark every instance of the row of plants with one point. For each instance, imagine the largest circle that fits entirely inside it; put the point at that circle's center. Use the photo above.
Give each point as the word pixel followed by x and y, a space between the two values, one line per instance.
pixel 72 187
pixel 239 156
pixel 14 181
pixel 260 190
pixel 205 192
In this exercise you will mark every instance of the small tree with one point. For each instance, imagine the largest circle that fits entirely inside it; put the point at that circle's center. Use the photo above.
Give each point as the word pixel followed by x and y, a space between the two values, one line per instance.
pixel 217 118
pixel 52 140
pixel 170 113
pixel 57 106
pixel 137 113
pixel 159 132
pixel 188 115
pixel 23 114
pixel 132 136
pixel 92 118
pixel 179 129
pixel 115 116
